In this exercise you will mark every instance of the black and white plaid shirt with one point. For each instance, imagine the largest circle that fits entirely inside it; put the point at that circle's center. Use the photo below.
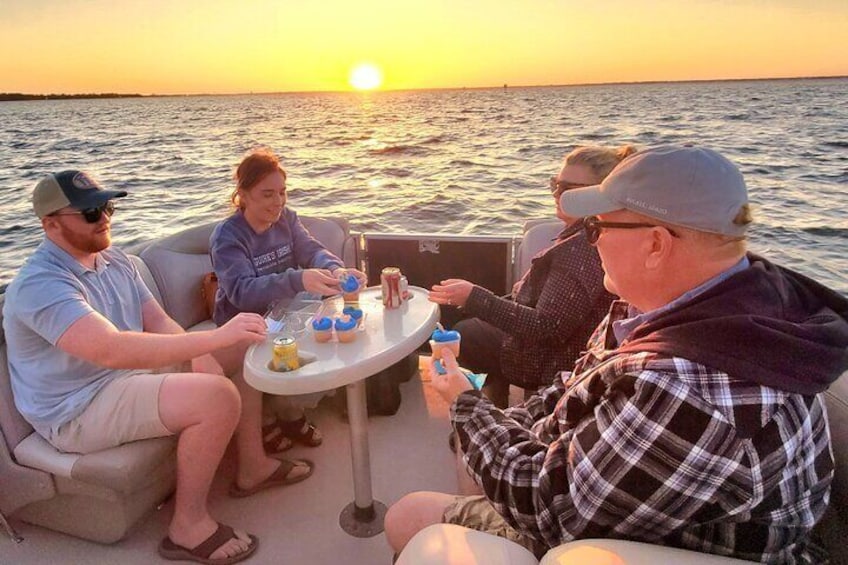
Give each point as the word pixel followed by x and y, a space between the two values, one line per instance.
pixel 657 449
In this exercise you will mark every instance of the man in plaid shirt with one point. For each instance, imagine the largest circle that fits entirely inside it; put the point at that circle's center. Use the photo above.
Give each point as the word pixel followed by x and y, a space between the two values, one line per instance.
pixel 695 419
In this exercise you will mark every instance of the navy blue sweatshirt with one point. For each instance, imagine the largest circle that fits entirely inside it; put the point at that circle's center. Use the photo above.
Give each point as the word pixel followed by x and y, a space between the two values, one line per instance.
pixel 256 269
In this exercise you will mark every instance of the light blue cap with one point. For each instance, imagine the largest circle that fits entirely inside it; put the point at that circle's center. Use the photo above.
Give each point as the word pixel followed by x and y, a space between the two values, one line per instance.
pixel 688 186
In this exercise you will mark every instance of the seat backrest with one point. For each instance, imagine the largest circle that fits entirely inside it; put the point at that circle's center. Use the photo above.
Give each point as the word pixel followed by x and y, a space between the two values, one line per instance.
pixel 334 234
pixel 18 485
pixel 835 523
pixel 147 277
pixel 12 424
pixel 538 235
pixel 178 262
pixel 449 544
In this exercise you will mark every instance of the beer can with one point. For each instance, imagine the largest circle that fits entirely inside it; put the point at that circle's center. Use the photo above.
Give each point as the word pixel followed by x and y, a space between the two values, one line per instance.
pixel 284 354
pixel 390 286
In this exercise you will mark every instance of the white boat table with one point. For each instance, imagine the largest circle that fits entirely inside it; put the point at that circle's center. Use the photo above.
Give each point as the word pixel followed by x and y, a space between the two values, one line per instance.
pixel 385 337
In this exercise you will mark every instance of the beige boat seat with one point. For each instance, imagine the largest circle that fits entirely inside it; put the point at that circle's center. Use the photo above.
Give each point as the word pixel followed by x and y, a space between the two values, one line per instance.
pixel 537 235
pixel 450 544
pixel 98 496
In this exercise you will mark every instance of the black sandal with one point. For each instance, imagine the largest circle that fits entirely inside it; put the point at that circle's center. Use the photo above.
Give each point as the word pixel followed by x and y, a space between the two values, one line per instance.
pixel 302 432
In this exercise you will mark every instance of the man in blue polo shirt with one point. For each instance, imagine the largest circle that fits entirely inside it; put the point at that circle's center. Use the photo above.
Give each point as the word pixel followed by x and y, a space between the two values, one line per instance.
pixel 84 336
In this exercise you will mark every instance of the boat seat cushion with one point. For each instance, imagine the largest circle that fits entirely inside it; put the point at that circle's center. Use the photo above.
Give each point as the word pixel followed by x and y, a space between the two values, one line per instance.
pixel 147 277
pixel 618 552
pixel 538 235
pixel 125 468
pixel 203 326
pixel 831 529
pixel 179 276
pixel 332 233
pixel 13 425
pixel 449 544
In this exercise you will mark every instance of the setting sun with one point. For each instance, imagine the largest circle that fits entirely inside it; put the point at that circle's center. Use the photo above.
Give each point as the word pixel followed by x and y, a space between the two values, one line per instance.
pixel 366 76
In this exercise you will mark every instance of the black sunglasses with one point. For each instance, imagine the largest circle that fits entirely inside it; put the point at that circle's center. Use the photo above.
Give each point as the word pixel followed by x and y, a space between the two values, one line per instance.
pixel 92 215
pixel 593 226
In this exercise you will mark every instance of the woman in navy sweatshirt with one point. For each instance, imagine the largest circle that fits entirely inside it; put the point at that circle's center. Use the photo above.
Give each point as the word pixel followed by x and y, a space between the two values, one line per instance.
pixel 262 253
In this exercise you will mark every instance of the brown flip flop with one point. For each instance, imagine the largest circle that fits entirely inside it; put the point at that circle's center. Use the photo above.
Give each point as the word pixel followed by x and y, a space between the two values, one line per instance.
pixel 200 554
pixel 280 477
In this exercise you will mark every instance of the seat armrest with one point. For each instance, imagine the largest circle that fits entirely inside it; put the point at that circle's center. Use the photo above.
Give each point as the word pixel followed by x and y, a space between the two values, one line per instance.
pixel 538 235
pixel 449 544
pixel 124 468
pixel 618 552
pixel 35 451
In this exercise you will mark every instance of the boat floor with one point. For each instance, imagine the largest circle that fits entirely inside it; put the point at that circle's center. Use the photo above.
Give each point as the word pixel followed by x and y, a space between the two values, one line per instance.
pixel 297 524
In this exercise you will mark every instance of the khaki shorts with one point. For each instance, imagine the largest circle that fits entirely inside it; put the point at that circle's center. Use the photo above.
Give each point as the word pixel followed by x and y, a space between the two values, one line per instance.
pixel 125 410
pixel 477 513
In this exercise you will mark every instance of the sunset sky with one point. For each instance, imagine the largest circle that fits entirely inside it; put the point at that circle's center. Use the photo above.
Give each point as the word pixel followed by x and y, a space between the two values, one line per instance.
pixel 229 46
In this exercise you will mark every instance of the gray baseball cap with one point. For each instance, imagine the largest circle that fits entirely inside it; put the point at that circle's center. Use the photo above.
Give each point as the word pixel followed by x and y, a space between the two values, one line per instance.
pixel 688 186
pixel 70 188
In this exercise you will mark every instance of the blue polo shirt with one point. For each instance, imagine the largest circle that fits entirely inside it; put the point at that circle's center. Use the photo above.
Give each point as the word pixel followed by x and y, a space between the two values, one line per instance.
pixel 51 292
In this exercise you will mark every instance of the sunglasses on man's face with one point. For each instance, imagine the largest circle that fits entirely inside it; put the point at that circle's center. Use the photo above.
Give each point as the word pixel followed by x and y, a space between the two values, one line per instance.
pixel 593 226
pixel 92 215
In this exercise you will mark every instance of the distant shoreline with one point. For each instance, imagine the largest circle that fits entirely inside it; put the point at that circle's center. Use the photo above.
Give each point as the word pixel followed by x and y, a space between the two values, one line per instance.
pixel 18 96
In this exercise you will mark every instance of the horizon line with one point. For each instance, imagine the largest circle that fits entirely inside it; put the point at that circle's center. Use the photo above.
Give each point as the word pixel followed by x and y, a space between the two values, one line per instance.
pixel 438 88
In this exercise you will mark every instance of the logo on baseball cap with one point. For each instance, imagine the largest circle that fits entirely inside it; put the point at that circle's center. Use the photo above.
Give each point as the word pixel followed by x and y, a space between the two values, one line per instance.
pixel 70 188
pixel 688 186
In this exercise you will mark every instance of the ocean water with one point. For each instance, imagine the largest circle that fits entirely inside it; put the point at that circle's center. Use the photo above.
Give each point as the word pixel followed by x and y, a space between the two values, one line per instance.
pixel 447 161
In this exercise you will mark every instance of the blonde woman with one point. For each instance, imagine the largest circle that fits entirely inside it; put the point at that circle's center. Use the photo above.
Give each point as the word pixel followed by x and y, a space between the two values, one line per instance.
pixel 543 326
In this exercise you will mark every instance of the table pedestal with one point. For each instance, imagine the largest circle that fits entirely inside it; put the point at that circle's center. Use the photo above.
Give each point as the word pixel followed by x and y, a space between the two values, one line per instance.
pixel 362 518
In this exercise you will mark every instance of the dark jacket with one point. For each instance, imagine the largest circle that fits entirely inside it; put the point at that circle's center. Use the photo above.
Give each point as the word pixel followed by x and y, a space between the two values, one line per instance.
pixel 766 324
pixel 560 302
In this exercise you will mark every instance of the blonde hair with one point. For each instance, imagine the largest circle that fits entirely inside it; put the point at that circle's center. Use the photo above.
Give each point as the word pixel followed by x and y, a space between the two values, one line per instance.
pixel 600 160
pixel 256 166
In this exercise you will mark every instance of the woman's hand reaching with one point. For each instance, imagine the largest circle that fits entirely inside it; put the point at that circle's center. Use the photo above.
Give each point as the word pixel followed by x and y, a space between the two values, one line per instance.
pixel 320 281
pixel 453 292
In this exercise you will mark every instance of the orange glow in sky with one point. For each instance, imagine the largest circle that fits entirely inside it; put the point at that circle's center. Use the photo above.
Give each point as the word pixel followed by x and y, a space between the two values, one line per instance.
pixel 228 46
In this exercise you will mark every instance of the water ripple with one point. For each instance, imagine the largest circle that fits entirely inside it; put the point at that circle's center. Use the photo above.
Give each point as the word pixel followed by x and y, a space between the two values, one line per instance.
pixel 449 161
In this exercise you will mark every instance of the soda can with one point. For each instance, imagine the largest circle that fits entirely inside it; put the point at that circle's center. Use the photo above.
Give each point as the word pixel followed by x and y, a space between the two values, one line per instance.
pixel 390 286
pixel 284 354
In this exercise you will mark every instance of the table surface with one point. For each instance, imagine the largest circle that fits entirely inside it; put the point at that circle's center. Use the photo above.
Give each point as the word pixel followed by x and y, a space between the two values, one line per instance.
pixel 386 337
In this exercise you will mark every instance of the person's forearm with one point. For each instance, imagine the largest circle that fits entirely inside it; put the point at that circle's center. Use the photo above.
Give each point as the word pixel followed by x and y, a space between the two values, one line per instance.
pixel 254 294
pixel 162 325
pixel 326 260
pixel 506 315
pixel 135 350
pixel 562 308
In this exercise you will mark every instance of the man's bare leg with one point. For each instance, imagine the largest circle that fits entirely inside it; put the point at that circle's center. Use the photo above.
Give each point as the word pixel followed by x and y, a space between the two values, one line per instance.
pixel 204 410
pixel 254 465
pixel 413 513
